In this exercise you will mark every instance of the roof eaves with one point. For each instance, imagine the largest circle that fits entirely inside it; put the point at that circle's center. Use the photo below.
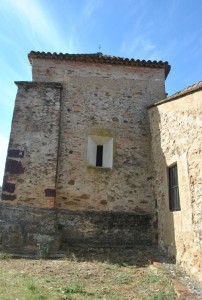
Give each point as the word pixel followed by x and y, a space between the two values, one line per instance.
pixel 100 58
pixel 189 90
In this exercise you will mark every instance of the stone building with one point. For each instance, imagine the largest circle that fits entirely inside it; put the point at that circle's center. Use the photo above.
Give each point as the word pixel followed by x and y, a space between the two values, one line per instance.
pixel 91 145
pixel 176 130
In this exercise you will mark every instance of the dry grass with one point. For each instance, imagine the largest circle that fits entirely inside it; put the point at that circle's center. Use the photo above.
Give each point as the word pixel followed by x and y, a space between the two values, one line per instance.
pixel 85 274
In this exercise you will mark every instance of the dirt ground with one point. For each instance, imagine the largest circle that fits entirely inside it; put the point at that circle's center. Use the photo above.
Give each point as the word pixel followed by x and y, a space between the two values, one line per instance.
pixel 107 274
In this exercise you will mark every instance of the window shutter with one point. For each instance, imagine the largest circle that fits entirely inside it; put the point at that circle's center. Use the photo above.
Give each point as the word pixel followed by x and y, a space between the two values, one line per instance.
pixel 174 198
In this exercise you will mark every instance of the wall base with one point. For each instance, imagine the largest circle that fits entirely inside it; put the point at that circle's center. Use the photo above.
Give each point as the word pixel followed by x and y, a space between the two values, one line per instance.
pixel 25 229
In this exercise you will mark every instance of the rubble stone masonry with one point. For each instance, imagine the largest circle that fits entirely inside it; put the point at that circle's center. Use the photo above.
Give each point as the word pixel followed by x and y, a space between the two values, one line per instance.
pixel 30 171
pixel 107 101
pixel 176 128
pixel 47 175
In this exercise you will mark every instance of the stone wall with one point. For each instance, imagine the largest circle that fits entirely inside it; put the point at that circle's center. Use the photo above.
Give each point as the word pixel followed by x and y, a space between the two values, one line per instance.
pixel 108 101
pixel 31 170
pixel 31 166
pixel 176 128
pixel 47 172
pixel 105 229
pixel 23 229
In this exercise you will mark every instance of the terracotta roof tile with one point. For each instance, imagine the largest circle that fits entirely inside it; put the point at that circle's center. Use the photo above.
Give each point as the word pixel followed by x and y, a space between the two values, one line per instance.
pixel 189 90
pixel 101 58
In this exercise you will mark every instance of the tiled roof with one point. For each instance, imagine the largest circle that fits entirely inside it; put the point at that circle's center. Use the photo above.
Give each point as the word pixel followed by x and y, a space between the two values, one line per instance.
pixel 189 90
pixel 101 58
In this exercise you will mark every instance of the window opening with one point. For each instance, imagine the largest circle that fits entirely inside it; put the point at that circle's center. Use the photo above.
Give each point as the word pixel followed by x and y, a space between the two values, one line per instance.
pixel 174 197
pixel 100 151
pixel 99 156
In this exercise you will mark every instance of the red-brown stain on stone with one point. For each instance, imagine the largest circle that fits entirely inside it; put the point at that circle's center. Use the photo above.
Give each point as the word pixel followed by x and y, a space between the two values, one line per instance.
pixel 50 192
pixel 15 153
pixel 9 187
pixel 14 167
pixel 192 179
pixel 103 202
pixel 84 196
pixel 115 119
pixel 8 197
pixel 71 182
pixel 70 203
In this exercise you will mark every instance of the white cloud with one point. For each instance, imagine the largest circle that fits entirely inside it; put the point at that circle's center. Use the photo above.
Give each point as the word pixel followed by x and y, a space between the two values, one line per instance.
pixel 7 87
pixel 137 41
pixel 8 93
pixel 138 45
pixel 90 8
pixel 173 8
pixel 38 26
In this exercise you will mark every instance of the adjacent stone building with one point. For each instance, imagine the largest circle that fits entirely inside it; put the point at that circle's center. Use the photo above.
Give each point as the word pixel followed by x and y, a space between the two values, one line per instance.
pixel 91 143
pixel 176 130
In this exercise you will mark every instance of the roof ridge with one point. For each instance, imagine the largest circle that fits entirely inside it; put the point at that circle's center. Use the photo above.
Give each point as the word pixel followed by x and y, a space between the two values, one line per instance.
pixel 188 90
pixel 99 57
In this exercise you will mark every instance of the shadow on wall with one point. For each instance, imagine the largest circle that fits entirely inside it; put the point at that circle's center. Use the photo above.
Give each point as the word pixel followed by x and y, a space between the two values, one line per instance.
pixel 163 222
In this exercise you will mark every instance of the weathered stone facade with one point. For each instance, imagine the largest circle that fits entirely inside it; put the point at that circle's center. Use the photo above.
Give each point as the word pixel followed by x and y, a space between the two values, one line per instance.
pixel 109 101
pixel 30 171
pixel 49 176
pixel 54 190
pixel 176 128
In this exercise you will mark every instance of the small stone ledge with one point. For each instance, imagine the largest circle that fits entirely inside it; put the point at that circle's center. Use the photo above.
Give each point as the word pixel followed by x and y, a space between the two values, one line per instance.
pixel 98 169
pixel 35 84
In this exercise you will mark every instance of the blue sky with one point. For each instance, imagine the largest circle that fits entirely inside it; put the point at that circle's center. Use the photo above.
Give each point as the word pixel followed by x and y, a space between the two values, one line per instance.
pixel 168 30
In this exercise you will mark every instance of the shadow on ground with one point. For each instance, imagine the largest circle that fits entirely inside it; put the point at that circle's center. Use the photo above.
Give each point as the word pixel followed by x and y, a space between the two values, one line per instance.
pixel 136 256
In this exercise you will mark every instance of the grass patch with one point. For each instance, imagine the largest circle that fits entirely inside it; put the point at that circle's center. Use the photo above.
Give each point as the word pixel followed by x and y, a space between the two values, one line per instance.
pixel 163 295
pixel 14 286
pixel 152 278
pixel 94 275
pixel 4 255
pixel 74 288
pixel 123 279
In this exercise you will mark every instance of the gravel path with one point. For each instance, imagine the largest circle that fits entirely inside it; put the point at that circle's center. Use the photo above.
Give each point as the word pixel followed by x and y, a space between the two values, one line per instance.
pixel 193 286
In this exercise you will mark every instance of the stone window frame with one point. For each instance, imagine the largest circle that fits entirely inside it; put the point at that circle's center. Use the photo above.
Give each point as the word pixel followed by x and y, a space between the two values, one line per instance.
pixel 93 142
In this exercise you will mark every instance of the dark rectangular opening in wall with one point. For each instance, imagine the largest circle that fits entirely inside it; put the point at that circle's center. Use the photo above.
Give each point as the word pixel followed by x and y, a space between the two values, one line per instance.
pixel 99 156
pixel 174 197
